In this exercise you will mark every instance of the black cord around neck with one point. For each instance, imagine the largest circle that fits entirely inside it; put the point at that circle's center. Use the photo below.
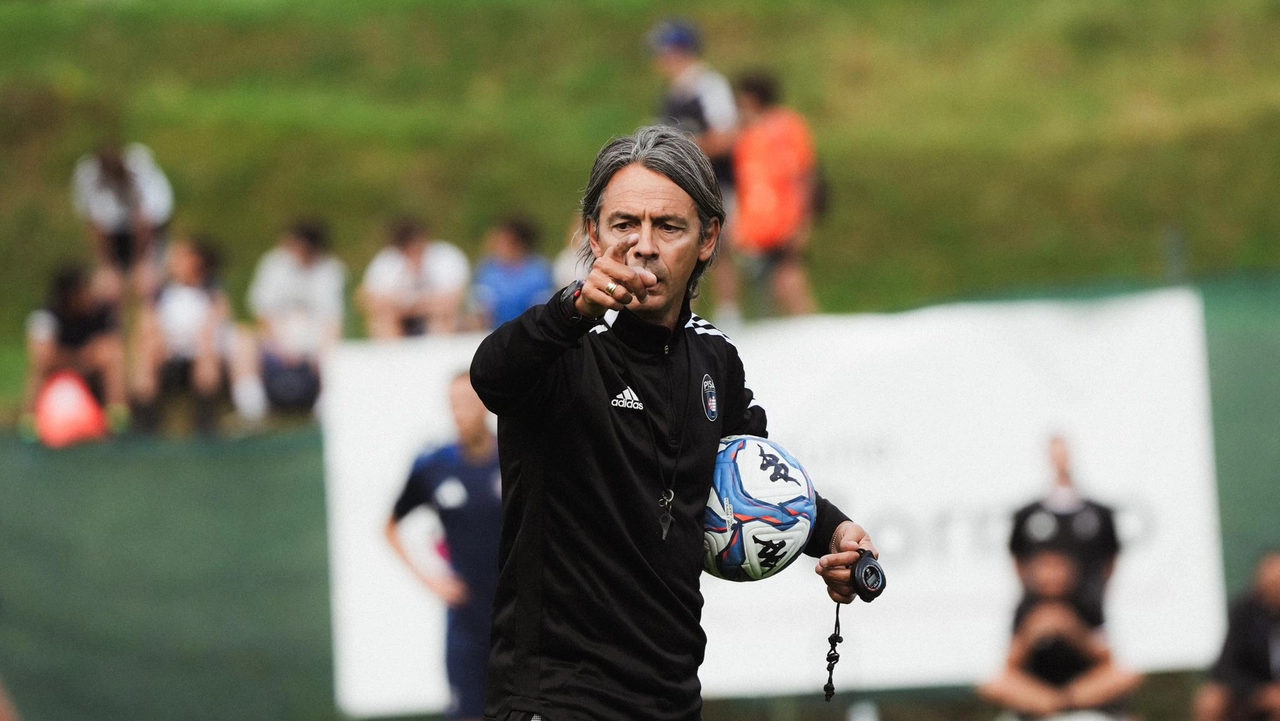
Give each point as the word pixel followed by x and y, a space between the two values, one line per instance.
pixel 668 483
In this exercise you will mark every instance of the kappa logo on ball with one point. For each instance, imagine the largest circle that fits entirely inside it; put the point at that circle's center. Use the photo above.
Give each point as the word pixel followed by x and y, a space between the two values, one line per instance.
pixel 627 399
pixel 709 398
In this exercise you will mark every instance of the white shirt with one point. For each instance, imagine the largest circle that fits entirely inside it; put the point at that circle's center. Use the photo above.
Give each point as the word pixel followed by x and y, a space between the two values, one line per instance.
pixel 302 301
pixel 568 267
pixel 443 269
pixel 183 312
pixel 713 92
pixel 95 202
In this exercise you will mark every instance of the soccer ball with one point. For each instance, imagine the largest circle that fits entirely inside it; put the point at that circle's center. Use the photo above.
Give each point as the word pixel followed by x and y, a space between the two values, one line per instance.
pixel 760 513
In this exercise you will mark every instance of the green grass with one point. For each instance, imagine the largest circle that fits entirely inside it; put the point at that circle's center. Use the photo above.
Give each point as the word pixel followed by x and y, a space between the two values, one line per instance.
pixel 972 147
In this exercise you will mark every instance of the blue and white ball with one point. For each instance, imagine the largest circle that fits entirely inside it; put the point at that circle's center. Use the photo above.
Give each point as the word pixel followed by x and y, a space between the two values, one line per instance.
pixel 761 510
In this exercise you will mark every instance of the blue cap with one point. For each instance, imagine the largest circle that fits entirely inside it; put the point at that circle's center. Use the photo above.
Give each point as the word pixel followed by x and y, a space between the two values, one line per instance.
pixel 676 34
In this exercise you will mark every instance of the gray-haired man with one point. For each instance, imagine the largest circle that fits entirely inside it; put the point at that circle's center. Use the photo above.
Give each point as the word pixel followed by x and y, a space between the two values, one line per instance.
pixel 611 401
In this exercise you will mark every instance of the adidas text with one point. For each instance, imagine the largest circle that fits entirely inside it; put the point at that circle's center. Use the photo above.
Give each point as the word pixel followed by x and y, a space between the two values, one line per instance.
pixel 627 399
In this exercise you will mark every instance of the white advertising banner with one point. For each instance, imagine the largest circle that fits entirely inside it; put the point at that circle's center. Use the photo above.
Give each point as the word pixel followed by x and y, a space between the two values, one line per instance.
pixel 929 427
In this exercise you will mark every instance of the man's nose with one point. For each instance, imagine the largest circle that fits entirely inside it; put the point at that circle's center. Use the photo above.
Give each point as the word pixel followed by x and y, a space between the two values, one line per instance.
pixel 646 247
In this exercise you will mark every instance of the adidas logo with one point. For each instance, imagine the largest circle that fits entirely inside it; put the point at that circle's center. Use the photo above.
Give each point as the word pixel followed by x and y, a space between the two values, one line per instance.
pixel 628 399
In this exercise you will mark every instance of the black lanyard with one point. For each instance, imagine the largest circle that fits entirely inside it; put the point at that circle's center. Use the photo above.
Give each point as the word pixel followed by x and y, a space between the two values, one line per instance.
pixel 667 497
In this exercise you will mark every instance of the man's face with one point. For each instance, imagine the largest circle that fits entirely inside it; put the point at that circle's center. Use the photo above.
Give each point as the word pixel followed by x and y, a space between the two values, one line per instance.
pixel 1051 575
pixel 749 107
pixel 469 413
pixel 646 204
pixel 671 62
pixel 185 264
pixel 503 245
pixel 298 248
pixel 1269 581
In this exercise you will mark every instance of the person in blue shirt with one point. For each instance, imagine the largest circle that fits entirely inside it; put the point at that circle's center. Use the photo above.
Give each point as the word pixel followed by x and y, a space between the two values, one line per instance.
pixel 513 278
pixel 462 484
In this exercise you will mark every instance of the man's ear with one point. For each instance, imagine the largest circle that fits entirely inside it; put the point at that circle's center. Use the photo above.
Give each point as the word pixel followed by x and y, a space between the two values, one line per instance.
pixel 709 241
pixel 593 237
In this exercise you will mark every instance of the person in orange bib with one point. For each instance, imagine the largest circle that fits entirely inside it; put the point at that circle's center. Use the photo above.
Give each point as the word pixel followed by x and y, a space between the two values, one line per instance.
pixel 775 164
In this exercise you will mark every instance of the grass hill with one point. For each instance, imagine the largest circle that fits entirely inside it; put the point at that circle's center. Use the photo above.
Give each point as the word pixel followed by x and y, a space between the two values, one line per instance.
pixel 971 147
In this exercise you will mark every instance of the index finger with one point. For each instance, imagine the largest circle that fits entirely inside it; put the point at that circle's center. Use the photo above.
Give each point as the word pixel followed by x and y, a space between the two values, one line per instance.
pixel 849 557
pixel 618 251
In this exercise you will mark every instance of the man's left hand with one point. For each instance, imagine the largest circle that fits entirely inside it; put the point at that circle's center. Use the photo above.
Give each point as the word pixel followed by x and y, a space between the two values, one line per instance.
pixel 849 541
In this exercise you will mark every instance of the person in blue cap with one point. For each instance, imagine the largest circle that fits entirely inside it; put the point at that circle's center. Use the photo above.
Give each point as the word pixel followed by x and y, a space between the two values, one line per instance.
pixel 700 101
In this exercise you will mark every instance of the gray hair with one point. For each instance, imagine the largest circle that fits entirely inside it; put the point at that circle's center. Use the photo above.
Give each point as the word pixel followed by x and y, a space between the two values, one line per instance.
pixel 670 153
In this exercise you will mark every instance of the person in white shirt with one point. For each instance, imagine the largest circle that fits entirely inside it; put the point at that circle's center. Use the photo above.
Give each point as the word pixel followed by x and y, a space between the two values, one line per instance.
pixel 296 299
pixel 126 202
pixel 186 339
pixel 415 285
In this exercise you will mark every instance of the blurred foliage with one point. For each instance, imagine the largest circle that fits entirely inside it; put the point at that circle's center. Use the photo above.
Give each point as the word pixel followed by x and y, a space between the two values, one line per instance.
pixel 971 146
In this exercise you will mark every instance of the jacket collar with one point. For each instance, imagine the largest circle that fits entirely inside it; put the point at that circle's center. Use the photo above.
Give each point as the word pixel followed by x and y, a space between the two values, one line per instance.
pixel 645 336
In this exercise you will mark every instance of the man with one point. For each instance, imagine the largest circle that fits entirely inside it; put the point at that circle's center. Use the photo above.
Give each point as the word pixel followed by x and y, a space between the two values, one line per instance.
pixel 774 164
pixel 415 285
pixel 1245 682
pixel 460 482
pixel 597 614
pixel 77 330
pixel 126 202
pixel 1066 522
pixel 699 101
pixel 513 277
pixel 296 297
pixel 1056 663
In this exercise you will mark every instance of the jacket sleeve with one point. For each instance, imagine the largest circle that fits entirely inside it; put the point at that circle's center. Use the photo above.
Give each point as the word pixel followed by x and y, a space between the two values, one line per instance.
pixel 824 528
pixel 747 417
pixel 743 416
pixel 514 369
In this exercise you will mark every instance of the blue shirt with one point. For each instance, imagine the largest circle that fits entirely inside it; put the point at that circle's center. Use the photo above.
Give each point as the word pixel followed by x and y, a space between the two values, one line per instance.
pixel 507 290
pixel 468 499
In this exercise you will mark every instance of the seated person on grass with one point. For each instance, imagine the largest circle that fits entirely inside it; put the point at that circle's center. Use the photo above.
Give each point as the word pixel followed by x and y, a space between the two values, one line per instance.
pixel 296 298
pixel 77 330
pixel 186 340
pixel 513 277
pixel 1244 685
pixel 415 285
pixel 1057 663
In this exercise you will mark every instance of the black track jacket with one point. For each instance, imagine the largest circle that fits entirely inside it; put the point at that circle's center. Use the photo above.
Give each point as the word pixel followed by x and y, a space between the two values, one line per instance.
pixel 596 617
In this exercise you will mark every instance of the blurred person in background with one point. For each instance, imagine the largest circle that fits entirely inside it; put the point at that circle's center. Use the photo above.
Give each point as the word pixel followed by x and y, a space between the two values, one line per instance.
pixel 296 299
pixel 77 330
pixel 569 265
pixel 415 285
pixel 462 484
pixel 513 277
pixel 187 339
pixel 699 101
pixel 1067 522
pixel 1057 662
pixel 126 202
pixel 1244 684
pixel 774 168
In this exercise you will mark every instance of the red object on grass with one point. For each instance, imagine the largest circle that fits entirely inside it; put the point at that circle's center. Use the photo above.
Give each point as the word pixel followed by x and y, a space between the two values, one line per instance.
pixel 67 413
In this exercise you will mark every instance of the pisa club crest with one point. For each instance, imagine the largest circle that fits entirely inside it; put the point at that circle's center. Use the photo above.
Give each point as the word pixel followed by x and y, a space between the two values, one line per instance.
pixel 709 403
